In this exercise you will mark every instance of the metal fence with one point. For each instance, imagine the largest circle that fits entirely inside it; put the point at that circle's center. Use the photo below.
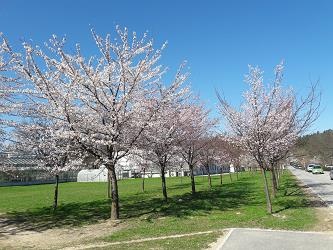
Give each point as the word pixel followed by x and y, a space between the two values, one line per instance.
pixel 28 183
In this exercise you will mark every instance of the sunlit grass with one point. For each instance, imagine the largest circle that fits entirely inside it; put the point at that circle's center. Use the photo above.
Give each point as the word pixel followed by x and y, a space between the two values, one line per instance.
pixel 237 203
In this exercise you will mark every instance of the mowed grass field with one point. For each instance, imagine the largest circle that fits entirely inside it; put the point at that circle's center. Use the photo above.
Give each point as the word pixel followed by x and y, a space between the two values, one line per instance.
pixel 236 203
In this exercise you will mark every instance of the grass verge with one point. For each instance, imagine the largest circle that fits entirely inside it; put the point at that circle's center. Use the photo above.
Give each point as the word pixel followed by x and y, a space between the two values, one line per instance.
pixel 237 203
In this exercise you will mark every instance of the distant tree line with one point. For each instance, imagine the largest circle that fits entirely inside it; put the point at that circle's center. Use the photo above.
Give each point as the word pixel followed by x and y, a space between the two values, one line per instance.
pixel 316 147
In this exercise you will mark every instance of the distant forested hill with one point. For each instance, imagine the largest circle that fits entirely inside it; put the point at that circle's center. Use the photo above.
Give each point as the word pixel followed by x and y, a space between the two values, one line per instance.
pixel 316 147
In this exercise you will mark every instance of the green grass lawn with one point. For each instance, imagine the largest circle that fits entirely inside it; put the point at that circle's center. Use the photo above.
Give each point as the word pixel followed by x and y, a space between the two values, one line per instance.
pixel 240 203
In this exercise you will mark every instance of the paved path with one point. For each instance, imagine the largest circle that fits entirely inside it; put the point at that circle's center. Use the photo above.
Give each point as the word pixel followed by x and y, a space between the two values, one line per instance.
pixel 257 239
pixel 321 184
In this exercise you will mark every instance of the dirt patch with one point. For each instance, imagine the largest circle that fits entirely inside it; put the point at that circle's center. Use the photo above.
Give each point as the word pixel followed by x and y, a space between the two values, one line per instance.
pixel 315 200
pixel 110 244
pixel 55 238
pixel 325 219
pixel 324 213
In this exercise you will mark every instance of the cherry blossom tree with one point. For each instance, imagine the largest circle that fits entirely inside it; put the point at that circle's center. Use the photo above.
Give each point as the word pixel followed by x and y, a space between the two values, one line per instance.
pixel 269 120
pixel 214 153
pixel 235 154
pixel 54 154
pixel 197 128
pixel 8 85
pixel 248 162
pixel 102 102
pixel 159 142
pixel 292 119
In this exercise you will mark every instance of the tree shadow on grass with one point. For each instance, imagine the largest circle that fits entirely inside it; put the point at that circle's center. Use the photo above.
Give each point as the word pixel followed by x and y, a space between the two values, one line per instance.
pixel 67 215
pixel 295 192
pixel 225 197
pixel 300 203
pixel 293 195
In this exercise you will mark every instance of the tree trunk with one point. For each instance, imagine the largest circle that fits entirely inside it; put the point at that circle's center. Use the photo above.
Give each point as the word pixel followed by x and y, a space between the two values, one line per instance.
pixel 236 173
pixel 165 195
pixel 277 178
pixel 109 185
pixel 209 178
pixel 274 183
pixel 230 176
pixel 114 193
pixel 277 175
pixel 143 180
pixel 192 180
pixel 203 175
pixel 181 177
pixel 56 187
pixel 221 178
pixel 268 198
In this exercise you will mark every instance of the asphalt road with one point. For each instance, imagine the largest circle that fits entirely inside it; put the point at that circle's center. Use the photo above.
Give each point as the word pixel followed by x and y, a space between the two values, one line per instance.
pixel 257 239
pixel 321 184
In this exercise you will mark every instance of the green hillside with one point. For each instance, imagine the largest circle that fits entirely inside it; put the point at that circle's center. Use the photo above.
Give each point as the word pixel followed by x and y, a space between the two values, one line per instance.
pixel 316 147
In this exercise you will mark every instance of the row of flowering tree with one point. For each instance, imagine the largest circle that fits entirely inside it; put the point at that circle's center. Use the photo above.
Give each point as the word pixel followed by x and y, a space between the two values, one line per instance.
pixel 179 136
pixel 102 103
pixel 65 107
pixel 269 121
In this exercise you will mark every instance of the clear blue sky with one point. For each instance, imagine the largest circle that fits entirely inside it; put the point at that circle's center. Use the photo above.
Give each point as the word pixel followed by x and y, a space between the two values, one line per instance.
pixel 218 38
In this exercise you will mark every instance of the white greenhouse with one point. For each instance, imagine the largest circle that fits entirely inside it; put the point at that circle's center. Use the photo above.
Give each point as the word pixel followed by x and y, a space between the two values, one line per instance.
pixel 93 175
pixel 129 167
pixel 124 169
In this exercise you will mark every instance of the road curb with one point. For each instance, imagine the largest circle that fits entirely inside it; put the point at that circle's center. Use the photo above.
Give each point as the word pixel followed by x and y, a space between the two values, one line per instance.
pixel 219 245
